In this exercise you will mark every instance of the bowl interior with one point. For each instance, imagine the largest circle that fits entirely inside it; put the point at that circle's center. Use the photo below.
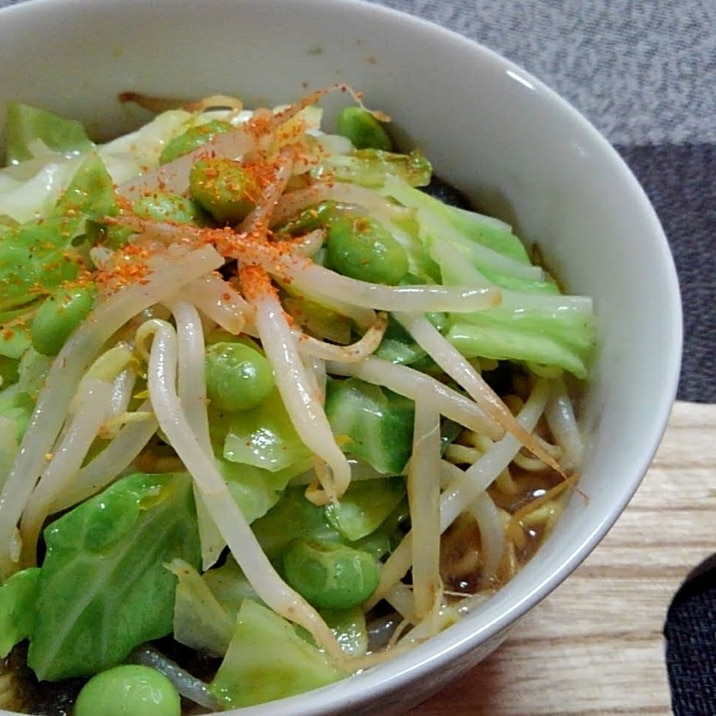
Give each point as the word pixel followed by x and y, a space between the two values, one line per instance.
pixel 491 129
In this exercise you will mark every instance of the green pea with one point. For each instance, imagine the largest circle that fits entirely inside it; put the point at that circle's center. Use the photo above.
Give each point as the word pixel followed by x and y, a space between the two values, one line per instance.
pixel 128 690
pixel 238 377
pixel 191 139
pixel 363 249
pixel 224 188
pixel 330 575
pixel 166 206
pixel 363 129
pixel 58 317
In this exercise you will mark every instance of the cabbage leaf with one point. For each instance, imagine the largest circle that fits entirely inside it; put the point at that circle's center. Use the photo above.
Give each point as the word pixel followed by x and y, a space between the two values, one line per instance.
pixel 267 659
pixel 535 322
pixel 104 588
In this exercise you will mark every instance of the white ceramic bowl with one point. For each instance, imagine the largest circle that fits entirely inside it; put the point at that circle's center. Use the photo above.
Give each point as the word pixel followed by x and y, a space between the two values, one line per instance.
pixel 491 129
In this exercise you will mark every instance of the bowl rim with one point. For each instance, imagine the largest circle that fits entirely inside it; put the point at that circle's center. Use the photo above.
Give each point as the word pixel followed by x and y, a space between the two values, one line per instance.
pixel 402 670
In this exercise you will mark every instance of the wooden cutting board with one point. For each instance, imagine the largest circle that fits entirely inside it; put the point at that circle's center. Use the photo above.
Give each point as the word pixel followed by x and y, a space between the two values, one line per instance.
pixel 595 645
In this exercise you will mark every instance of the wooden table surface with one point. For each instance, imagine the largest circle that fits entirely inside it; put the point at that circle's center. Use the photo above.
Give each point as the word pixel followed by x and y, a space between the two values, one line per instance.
pixel 595 645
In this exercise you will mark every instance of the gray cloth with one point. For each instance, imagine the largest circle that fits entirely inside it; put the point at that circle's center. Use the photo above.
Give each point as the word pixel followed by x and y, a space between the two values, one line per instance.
pixel 643 73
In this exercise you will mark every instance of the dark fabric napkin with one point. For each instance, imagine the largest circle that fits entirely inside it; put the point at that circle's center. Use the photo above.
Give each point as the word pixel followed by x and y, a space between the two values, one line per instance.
pixel 690 633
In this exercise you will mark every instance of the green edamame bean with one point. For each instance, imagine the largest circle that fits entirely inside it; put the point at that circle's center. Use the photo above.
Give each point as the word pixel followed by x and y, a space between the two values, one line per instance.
pixel 128 689
pixel 58 317
pixel 363 249
pixel 238 377
pixel 166 206
pixel 329 574
pixel 191 139
pixel 363 129
pixel 224 188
